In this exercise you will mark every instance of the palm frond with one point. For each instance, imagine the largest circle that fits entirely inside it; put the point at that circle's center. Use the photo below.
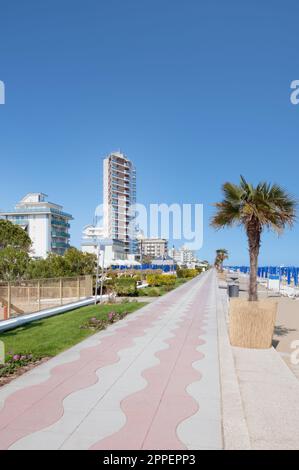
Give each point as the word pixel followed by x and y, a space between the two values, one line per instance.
pixel 266 205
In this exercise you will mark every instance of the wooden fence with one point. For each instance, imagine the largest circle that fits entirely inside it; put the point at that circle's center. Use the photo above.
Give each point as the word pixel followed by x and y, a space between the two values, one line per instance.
pixel 18 298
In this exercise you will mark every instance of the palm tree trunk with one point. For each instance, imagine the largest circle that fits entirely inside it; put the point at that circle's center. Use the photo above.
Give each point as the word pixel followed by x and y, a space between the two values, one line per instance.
pixel 254 241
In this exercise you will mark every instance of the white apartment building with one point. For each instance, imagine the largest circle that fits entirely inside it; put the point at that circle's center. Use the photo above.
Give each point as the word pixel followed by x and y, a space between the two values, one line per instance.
pixel 45 222
pixel 93 241
pixel 91 233
pixel 183 256
pixel 152 247
pixel 119 194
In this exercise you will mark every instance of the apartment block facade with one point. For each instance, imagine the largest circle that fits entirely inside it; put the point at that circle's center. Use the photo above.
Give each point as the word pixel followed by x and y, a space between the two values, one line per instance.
pixel 45 222
pixel 152 247
pixel 93 242
pixel 119 195
pixel 183 255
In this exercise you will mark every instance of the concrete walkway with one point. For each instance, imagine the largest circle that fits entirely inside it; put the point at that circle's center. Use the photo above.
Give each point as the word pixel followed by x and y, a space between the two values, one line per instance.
pixel 151 381
pixel 264 412
pixel 165 377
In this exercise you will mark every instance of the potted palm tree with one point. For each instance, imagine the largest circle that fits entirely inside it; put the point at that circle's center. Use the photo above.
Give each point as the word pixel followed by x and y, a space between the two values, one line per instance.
pixel 251 322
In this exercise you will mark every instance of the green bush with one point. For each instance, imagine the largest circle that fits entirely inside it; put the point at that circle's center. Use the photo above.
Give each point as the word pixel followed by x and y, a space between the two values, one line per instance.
pixel 141 274
pixel 168 288
pixel 72 263
pixel 108 286
pixel 125 286
pixel 186 273
pixel 156 280
pixel 199 269
pixel 152 280
pixel 149 292
pixel 168 279
pixel 111 274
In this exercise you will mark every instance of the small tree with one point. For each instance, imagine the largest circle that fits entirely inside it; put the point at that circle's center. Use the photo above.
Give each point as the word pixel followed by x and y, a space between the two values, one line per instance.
pixel 39 269
pixel 254 208
pixel 13 263
pixel 11 235
pixel 14 247
pixel 79 263
pixel 72 263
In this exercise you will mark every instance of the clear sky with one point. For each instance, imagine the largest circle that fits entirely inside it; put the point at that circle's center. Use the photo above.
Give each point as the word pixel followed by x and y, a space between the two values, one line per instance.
pixel 194 92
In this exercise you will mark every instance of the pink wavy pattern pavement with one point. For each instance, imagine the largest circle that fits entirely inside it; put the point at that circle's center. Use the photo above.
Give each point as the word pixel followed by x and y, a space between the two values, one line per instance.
pixel 36 407
pixel 154 413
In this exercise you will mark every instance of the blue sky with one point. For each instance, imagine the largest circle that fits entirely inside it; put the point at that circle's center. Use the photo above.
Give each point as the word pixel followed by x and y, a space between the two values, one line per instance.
pixel 194 92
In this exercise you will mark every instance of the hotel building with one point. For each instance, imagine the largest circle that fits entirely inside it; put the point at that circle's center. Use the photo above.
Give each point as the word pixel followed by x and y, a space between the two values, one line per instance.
pixel 152 247
pixel 119 194
pixel 183 256
pixel 93 242
pixel 45 222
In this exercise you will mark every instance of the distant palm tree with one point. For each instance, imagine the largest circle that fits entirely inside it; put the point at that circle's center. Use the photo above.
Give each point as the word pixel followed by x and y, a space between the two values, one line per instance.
pixel 254 207
pixel 217 262
pixel 221 255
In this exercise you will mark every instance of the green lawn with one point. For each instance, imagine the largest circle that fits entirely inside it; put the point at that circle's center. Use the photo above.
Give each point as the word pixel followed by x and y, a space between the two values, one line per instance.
pixel 48 337
pixel 161 290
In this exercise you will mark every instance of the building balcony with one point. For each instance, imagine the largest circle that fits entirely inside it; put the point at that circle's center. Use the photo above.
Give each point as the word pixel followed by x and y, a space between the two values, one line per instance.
pixel 60 223
pixel 54 233
pixel 122 172
pixel 119 166
pixel 121 190
pixel 19 221
pixel 60 245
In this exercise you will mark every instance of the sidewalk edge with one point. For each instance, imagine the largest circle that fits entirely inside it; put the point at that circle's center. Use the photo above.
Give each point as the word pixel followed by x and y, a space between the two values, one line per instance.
pixel 234 425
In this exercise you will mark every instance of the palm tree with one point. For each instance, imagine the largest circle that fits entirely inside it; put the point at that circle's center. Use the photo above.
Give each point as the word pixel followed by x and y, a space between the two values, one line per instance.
pixel 221 255
pixel 217 262
pixel 254 207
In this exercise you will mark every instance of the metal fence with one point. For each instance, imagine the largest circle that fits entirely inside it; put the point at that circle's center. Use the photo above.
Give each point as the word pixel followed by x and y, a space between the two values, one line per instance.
pixel 18 298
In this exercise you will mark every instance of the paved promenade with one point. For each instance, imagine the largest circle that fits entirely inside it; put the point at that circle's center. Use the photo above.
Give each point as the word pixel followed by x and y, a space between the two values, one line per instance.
pixel 151 381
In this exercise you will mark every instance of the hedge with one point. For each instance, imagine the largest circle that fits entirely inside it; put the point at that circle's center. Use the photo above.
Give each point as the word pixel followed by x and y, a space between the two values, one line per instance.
pixel 186 273
pixel 156 280
pixel 125 286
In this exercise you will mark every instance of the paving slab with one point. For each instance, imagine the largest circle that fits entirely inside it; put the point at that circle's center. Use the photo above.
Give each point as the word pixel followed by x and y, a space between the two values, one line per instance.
pixel 270 395
pixel 151 381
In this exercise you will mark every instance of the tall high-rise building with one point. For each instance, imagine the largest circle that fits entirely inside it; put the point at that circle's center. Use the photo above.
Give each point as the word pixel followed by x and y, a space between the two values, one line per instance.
pixel 45 222
pixel 119 195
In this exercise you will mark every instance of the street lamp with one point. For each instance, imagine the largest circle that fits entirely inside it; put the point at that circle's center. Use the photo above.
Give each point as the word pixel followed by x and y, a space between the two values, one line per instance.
pixel 97 273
